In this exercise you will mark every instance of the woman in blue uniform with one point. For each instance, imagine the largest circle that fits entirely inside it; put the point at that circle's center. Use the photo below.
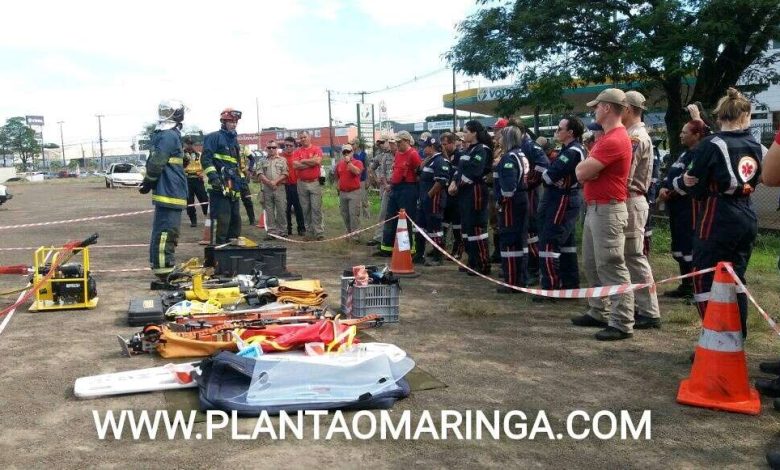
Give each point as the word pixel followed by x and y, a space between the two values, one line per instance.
pixel 511 191
pixel 725 170
pixel 469 184
pixel 682 208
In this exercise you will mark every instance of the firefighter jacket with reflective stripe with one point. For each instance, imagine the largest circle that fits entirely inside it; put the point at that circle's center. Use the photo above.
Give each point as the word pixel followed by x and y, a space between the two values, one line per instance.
pixel 166 166
pixel 220 160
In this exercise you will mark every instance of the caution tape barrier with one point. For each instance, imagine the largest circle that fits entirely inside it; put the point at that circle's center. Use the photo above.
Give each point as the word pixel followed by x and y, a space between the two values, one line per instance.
pixel 346 235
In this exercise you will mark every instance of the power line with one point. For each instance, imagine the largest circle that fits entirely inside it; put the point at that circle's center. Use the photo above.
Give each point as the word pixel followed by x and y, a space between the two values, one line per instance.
pixel 392 87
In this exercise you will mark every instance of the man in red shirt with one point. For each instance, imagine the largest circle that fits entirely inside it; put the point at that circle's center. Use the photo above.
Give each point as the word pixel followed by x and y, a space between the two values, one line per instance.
pixel 604 175
pixel 403 189
pixel 307 161
pixel 347 173
pixel 291 186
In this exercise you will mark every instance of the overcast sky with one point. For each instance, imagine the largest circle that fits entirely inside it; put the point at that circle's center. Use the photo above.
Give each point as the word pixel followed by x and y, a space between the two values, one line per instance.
pixel 71 60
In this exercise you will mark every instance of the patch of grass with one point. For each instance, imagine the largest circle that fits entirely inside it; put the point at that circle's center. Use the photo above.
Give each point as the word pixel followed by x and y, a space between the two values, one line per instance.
pixel 472 309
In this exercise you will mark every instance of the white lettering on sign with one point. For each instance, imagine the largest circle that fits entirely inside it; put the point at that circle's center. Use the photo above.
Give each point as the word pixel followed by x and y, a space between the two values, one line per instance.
pixel 494 93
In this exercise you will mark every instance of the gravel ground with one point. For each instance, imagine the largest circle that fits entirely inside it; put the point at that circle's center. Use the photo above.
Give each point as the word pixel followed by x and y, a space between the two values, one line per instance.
pixel 494 352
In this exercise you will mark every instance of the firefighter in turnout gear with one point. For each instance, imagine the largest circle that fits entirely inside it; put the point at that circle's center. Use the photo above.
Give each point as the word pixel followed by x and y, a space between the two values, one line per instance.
pixel 195 186
pixel 511 196
pixel 559 209
pixel 469 184
pixel 434 176
pixel 220 160
pixel 724 172
pixel 165 178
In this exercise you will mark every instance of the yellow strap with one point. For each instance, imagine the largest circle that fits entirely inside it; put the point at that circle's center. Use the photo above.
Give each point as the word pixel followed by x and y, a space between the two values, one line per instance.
pixel 169 200
pixel 225 158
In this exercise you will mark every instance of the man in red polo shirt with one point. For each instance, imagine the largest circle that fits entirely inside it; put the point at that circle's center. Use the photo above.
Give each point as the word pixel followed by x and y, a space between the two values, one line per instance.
pixel 403 189
pixel 347 173
pixel 604 175
pixel 291 186
pixel 307 161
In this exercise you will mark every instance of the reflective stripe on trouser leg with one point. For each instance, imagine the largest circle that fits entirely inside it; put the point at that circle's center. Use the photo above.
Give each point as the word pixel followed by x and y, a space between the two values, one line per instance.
pixel 165 235
pixel 513 259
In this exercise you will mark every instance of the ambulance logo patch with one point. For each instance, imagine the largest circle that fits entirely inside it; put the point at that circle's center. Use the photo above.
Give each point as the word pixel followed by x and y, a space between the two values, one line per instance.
pixel 747 166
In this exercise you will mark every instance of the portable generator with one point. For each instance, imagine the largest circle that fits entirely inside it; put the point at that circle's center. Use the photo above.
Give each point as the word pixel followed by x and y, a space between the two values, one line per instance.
pixel 70 286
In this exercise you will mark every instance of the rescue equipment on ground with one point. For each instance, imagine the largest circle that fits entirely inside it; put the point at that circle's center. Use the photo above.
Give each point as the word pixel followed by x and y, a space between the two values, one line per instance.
pixel 65 285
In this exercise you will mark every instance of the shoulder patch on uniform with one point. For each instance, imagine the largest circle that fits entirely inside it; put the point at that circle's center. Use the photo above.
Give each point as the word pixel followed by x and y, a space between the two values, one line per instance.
pixel 564 159
pixel 445 167
pixel 478 157
pixel 747 166
pixel 509 165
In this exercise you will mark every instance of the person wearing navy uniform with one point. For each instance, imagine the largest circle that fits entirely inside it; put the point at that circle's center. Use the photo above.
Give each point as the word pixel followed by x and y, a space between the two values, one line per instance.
pixel 220 160
pixel 682 208
pixel 539 162
pixel 651 197
pixel 511 196
pixel 434 176
pixel 166 179
pixel 724 172
pixel 559 209
pixel 469 184
pixel 452 152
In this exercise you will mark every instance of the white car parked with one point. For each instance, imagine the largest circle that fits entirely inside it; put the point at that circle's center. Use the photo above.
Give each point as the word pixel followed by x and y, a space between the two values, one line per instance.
pixel 123 175
pixel 4 194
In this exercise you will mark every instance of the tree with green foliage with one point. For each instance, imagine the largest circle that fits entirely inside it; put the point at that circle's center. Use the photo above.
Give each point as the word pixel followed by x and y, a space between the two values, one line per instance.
pixel 689 50
pixel 21 141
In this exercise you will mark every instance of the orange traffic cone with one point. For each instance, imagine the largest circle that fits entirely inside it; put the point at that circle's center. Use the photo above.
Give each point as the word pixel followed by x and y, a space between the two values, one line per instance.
pixel 206 239
pixel 261 221
pixel 719 378
pixel 401 262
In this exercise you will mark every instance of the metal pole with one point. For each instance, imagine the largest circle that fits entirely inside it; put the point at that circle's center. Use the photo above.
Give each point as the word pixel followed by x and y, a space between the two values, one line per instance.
pixel 43 154
pixel 257 110
pixel 330 126
pixel 62 144
pixel 454 110
pixel 100 136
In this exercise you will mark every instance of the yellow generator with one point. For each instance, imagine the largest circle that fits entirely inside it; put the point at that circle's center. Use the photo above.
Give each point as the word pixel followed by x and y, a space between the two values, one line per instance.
pixel 70 286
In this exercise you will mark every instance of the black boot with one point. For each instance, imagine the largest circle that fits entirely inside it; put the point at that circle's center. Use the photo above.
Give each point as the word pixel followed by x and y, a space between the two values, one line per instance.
pixel 770 367
pixel 495 258
pixel 683 291
pixel 769 388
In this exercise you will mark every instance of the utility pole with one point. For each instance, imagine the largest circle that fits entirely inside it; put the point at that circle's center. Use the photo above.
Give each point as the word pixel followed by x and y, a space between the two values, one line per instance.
pixel 257 110
pixel 330 126
pixel 62 144
pixel 100 136
pixel 454 110
pixel 362 97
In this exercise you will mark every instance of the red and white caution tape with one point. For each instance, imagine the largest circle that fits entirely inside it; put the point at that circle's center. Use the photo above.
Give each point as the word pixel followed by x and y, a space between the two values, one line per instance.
pixel 741 288
pixel 582 293
pixel 346 235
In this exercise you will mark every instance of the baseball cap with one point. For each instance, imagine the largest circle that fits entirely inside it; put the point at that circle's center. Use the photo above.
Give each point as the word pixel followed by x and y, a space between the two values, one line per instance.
pixel 634 98
pixel 346 147
pixel 500 124
pixel 610 95
pixel 404 135
pixel 594 126
pixel 431 141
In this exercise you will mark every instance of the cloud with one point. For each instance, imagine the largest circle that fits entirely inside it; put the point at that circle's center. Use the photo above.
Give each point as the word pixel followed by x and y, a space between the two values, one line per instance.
pixel 431 13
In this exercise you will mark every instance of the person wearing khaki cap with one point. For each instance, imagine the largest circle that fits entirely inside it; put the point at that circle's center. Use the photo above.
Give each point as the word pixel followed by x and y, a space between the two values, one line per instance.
pixel 604 174
pixel 348 171
pixel 647 313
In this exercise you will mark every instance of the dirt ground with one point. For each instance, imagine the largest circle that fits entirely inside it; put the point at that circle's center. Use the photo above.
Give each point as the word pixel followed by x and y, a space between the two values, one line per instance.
pixel 494 353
